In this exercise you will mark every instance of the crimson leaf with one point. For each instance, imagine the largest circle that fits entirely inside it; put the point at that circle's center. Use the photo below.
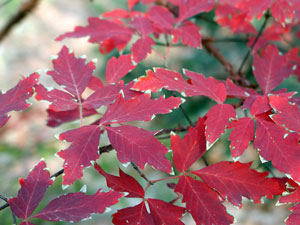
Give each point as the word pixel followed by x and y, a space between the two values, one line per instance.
pixel 123 183
pixel 71 72
pixel 15 98
pixel 205 208
pixel 81 152
pixel 74 207
pixel 187 150
pixel 32 191
pixel 139 146
pixel 234 180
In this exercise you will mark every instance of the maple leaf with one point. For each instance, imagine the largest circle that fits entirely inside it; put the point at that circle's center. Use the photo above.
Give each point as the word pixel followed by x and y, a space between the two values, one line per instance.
pixel 165 213
pixel 60 100
pixel 72 73
pixel 288 115
pixel 283 11
pixel 188 32
pixel 161 18
pixel 143 25
pixel 123 183
pixel 116 68
pixel 107 94
pixel 80 153
pixel 95 83
pixel 133 215
pixel 55 119
pixel 235 91
pixel 260 105
pixel 254 7
pixel 189 8
pixel 234 180
pixel 74 207
pixel 208 87
pixel 100 30
pixel 139 108
pixel 242 133
pixel 172 80
pixel 141 48
pixel 232 17
pixel 188 150
pixel 32 191
pixel 15 98
pixel 205 208
pixel 270 69
pixel 162 78
pixel 218 118
pixel 275 145
pixel 139 146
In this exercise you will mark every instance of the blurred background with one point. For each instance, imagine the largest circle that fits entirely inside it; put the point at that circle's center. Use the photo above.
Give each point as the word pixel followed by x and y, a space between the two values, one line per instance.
pixel 25 139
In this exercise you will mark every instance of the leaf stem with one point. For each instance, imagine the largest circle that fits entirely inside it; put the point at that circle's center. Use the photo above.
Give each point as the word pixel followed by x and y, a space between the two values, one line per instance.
pixel 267 16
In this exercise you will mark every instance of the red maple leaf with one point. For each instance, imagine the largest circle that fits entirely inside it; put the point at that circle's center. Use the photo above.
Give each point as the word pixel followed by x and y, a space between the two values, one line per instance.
pixel 80 153
pixel 143 25
pixel 15 98
pixel 74 207
pixel 162 18
pixel 189 34
pixel 234 180
pixel 269 69
pixel 100 30
pixel 32 191
pixel 139 108
pixel 117 68
pixel 205 208
pixel 60 100
pixel 133 215
pixel 139 146
pixel 123 183
pixel 288 114
pixel 141 48
pixel 72 73
pixel 242 133
pixel 218 118
pixel 189 149
pixel 189 8
pixel 273 144
pixel 165 213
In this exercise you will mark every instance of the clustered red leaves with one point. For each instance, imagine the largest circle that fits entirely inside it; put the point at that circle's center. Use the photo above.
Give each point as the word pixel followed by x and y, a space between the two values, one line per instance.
pixel 272 121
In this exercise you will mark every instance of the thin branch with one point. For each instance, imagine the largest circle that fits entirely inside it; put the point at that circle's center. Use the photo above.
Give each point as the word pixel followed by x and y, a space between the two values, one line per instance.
pixel 186 115
pixel 267 16
pixel 25 9
pixel 5 206
pixel 141 173
pixel 210 48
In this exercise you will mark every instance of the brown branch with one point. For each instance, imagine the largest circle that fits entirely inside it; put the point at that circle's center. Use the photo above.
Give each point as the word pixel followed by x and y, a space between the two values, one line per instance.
pixel 140 173
pixel 25 9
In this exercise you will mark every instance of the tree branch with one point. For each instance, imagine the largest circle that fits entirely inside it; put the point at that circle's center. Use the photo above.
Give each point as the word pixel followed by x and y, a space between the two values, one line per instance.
pixel 25 9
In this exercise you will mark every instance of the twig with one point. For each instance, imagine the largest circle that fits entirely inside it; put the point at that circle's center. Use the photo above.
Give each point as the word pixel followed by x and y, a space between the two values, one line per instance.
pixel 25 9
pixel 141 173
pixel 210 48
pixel 267 16
pixel 5 206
